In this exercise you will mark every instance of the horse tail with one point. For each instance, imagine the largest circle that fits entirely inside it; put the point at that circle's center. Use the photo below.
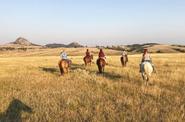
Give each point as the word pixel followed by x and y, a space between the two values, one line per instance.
pixel 60 67
pixel 99 66
pixel 121 59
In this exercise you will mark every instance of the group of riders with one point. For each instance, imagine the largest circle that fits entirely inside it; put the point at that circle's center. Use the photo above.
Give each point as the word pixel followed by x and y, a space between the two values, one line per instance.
pixel 145 57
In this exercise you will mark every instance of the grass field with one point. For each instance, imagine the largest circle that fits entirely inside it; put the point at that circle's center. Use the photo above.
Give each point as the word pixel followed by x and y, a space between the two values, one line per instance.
pixel 84 95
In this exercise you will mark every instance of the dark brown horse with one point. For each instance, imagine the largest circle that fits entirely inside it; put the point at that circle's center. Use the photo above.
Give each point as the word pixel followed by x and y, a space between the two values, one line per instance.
pixel 88 60
pixel 101 64
pixel 124 60
pixel 64 66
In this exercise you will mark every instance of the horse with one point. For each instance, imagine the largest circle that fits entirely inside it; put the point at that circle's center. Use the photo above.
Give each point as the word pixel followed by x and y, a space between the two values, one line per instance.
pixel 124 60
pixel 88 60
pixel 146 70
pixel 101 64
pixel 64 66
pixel 14 111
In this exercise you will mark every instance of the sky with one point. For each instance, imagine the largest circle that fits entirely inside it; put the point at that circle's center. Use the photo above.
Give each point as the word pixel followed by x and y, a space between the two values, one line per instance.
pixel 93 22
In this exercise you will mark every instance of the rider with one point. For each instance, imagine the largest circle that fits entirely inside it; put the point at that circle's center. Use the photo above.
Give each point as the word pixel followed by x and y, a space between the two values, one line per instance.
pixel 87 53
pixel 146 58
pixel 63 56
pixel 102 55
pixel 124 54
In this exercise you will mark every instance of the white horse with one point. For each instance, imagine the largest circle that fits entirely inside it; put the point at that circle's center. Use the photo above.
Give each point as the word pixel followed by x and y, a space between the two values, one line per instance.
pixel 146 70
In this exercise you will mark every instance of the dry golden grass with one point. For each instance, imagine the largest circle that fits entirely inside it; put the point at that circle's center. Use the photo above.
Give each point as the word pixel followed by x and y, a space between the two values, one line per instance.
pixel 84 95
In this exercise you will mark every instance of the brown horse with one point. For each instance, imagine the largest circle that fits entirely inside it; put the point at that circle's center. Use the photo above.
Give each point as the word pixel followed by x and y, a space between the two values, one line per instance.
pixel 124 60
pixel 64 66
pixel 101 64
pixel 88 60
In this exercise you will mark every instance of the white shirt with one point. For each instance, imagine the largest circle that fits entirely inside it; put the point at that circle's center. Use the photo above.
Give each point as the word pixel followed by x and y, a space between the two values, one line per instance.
pixel 63 55
pixel 146 57
pixel 124 53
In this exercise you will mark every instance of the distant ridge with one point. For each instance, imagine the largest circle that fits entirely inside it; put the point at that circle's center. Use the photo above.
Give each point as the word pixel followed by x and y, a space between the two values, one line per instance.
pixel 55 45
pixel 74 44
pixel 71 45
pixel 152 47
pixel 23 44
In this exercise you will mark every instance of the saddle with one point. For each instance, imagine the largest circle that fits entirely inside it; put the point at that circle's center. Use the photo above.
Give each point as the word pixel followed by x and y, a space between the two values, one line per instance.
pixel 101 58
pixel 67 60
pixel 87 56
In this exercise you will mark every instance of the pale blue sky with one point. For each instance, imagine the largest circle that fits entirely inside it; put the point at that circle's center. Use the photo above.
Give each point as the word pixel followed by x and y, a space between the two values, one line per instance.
pixel 93 22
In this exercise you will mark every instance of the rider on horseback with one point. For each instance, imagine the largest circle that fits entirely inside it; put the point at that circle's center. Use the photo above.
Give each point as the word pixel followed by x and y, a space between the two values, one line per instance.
pixel 146 58
pixel 124 54
pixel 63 56
pixel 102 55
pixel 87 54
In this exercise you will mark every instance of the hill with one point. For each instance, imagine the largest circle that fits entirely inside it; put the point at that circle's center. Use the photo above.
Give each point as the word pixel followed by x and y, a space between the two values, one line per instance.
pixel 71 45
pixel 24 42
pixel 74 44
pixel 55 45
pixel 153 48
pixel 19 44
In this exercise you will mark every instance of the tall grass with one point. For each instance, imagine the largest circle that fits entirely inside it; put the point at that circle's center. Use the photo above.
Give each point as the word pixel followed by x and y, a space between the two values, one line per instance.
pixel 85 95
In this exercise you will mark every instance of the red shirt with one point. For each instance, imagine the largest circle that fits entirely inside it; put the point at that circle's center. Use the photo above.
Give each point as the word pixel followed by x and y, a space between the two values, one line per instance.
pixel 87 53
pixel 101 54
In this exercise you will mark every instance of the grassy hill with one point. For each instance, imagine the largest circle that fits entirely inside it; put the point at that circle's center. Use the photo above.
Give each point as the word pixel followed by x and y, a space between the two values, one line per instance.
pixel 22 44
pixel 153 48
pixel 56 52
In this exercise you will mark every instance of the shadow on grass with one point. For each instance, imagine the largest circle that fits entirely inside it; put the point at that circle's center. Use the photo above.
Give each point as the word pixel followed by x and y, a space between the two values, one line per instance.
pixel 50 69
pixel 14 111
pixel 111 75
pixel 77 66
pixel 108 75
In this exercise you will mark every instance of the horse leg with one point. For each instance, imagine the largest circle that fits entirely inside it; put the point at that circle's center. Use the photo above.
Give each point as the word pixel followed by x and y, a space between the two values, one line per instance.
pixel 85 62
pixel 143 76
pixel 147 79
pixel 100 69
pixel 61 71
pixel 146 83
pixel 67 70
